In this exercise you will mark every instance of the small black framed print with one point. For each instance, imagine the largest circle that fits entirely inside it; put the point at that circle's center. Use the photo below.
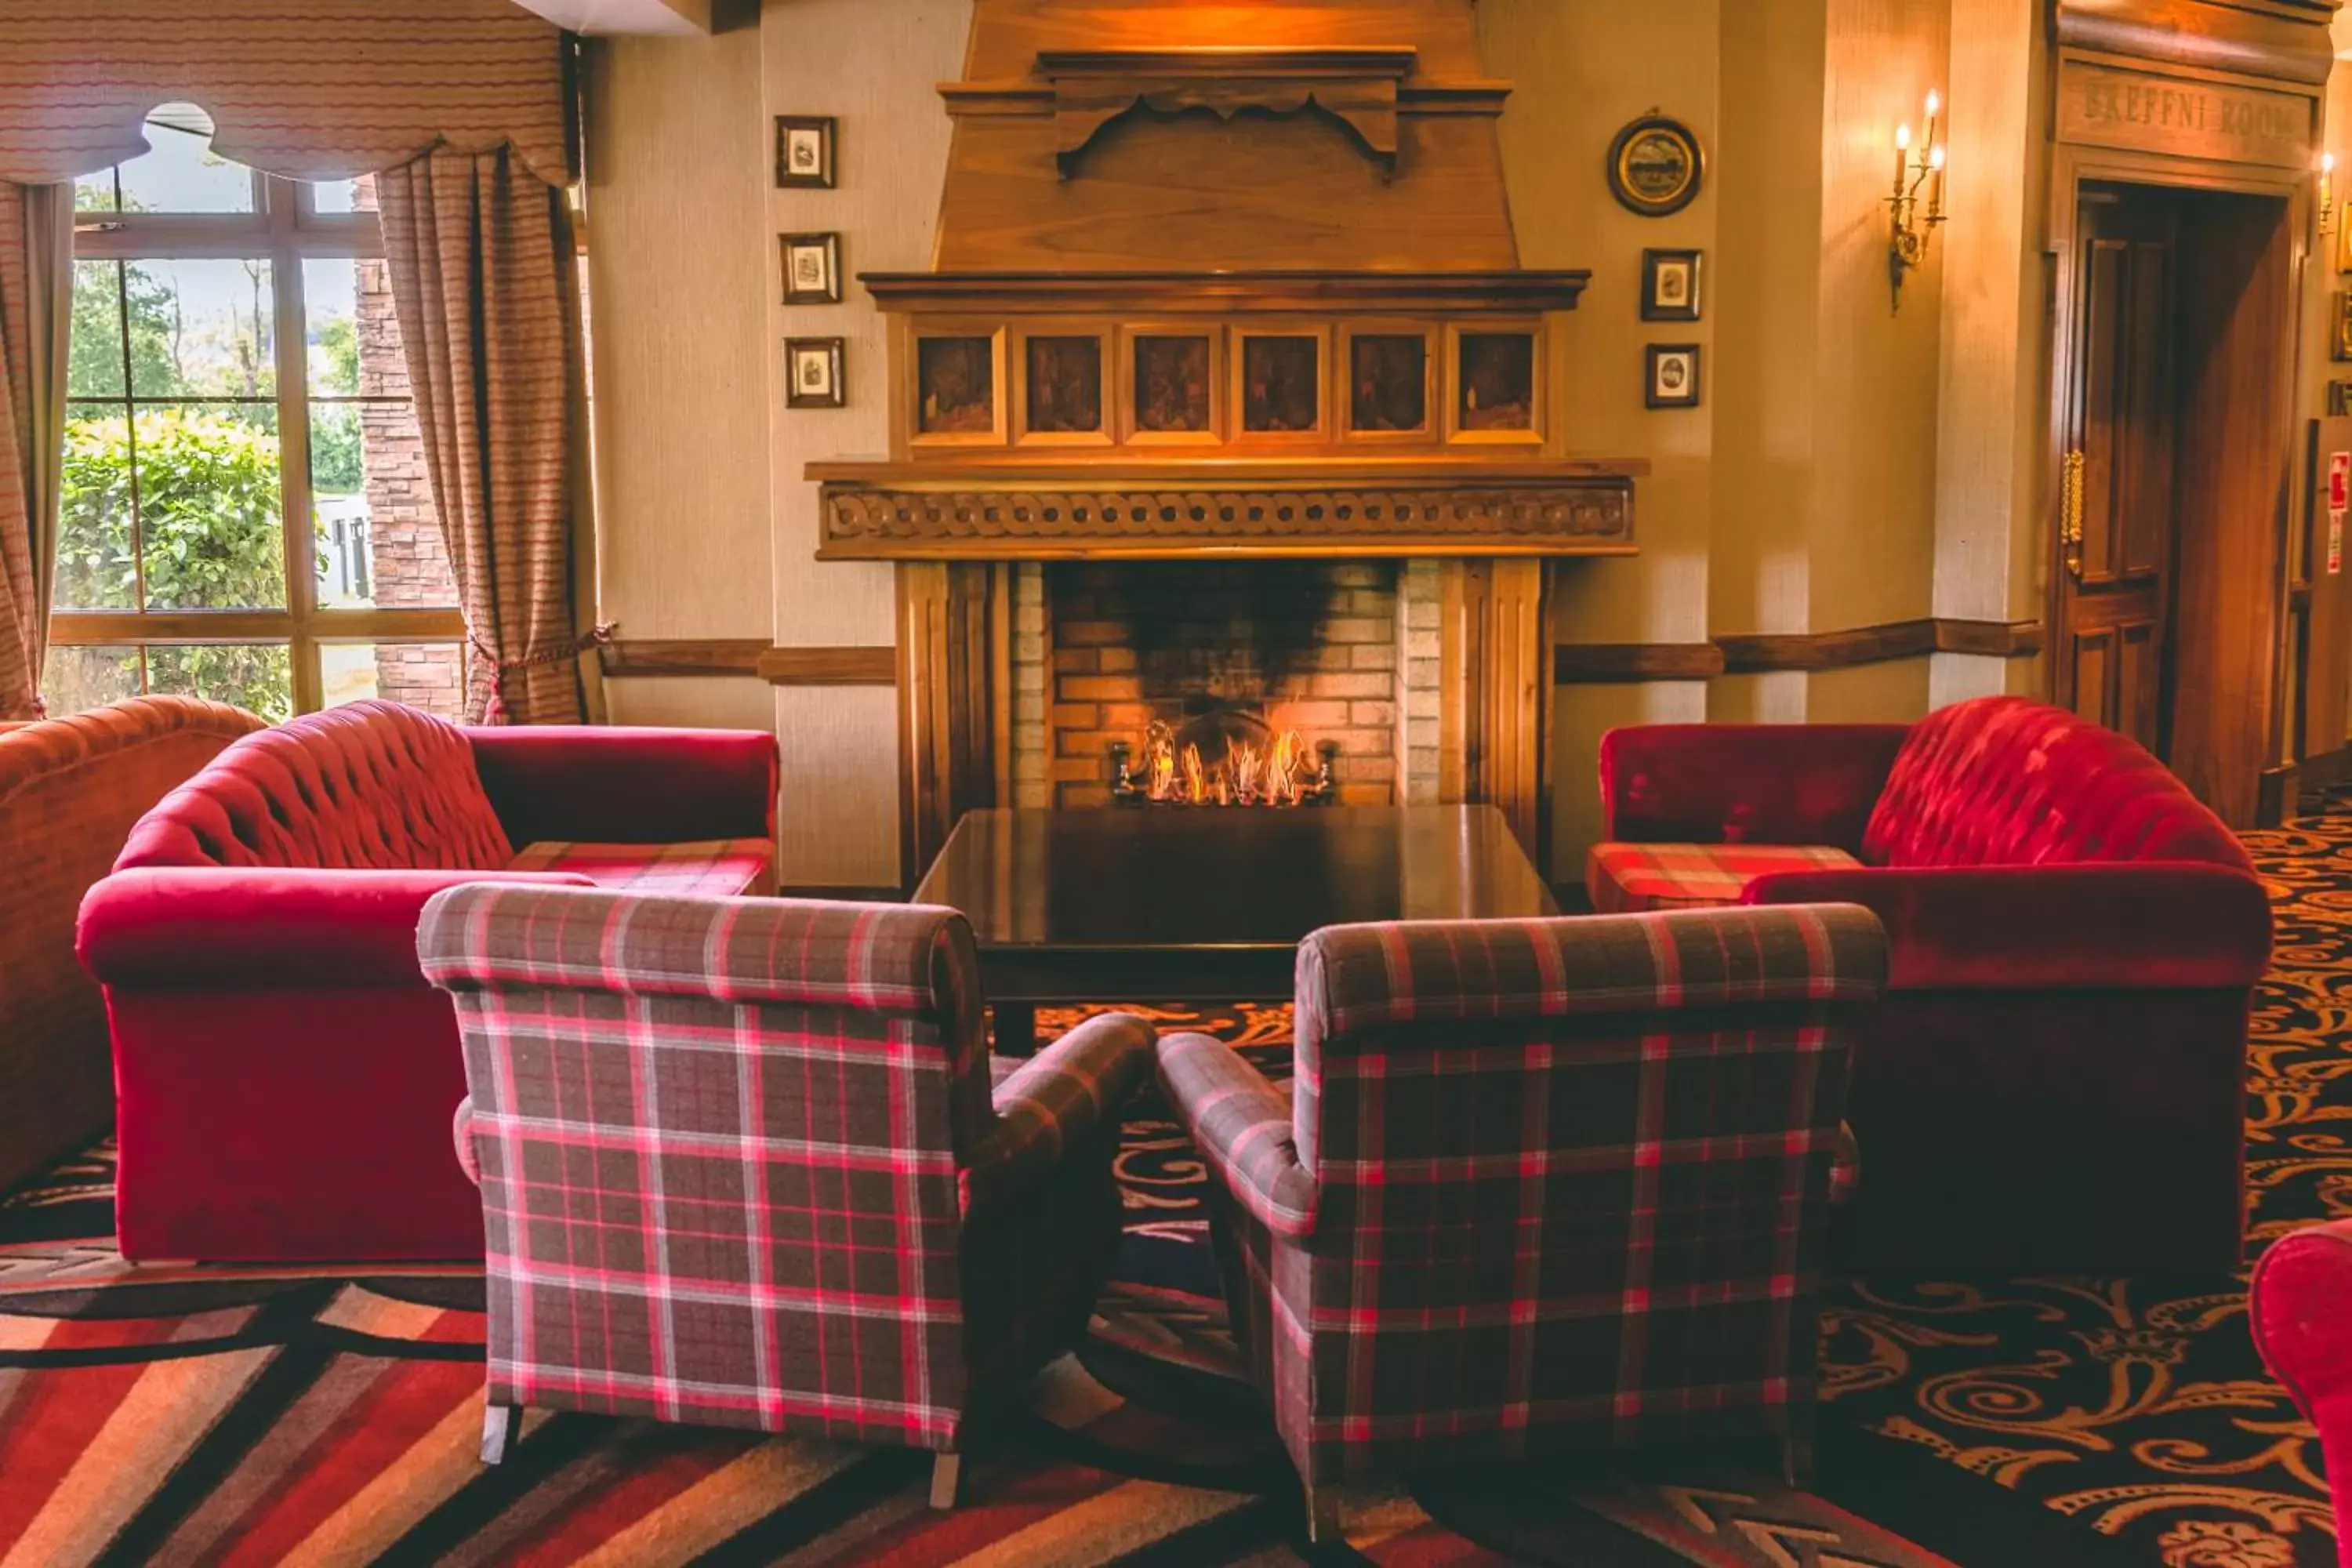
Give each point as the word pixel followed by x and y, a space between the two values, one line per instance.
pixel 813 372
pixel 1673 378
pixel 812 268
pixel 804 151
pixel 1670 285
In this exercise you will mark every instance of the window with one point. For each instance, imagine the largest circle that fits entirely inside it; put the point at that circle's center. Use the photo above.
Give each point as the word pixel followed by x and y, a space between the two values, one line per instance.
pixel 235 365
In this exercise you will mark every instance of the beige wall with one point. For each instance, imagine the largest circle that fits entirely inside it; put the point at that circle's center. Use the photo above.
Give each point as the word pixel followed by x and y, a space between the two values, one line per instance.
pixel 1851 465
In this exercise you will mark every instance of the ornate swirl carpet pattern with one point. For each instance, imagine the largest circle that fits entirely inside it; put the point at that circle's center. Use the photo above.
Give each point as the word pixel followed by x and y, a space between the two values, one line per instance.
pixel 205 1416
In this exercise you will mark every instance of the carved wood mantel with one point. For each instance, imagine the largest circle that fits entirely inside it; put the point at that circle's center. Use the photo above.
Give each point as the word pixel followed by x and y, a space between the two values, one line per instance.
pixel 926 512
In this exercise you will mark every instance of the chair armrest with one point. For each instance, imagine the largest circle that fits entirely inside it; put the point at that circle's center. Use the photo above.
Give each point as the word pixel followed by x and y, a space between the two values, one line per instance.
pixel 1242 1128
pixel 218 926
pixel 1745 783
pixel 613 785
pixel 2297 1309
pixel 1055 1101
pixel 461 1133
pixel 2168 925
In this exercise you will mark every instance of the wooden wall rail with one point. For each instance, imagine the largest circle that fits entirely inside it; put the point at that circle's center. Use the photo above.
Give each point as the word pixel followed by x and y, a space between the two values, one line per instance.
pixel 1579 664
pixel 752 656
pixel 1592 664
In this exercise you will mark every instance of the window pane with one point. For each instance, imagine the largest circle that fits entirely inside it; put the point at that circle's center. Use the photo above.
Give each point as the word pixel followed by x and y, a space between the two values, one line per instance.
pixel 379 537
pixel 351 334
pixel 78 678
pixel 214 326
pixel 95 193
pixel 95 570
pixel 256 677
pixel 178 173
pixel 209 507
pixel 431 676
pixel 94 365
pixel 335 196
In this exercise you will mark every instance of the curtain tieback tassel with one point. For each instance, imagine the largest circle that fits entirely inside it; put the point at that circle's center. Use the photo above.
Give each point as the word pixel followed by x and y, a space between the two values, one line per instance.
pixel 495 710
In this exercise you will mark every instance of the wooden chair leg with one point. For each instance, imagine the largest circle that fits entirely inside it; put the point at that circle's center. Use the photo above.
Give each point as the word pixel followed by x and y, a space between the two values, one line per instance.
pixel 1323 1516
pixel 947 1480
pixel 501 1424
pixel 1796 1463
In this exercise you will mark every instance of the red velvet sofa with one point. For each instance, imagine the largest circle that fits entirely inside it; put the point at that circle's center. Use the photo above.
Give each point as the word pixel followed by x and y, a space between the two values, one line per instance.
pixel 284 1076
pixel 2056 1078
pixel 2301 1310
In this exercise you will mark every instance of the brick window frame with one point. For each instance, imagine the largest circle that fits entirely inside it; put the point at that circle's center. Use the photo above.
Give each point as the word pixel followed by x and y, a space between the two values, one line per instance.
pixel 285 228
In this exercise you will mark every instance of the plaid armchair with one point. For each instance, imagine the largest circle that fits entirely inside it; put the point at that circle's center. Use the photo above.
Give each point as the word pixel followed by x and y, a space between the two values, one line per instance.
pixel 1540 1184
pixel 741 1163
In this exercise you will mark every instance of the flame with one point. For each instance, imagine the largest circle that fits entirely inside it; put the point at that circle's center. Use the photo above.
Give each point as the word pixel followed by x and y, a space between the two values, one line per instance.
pixel 1248 774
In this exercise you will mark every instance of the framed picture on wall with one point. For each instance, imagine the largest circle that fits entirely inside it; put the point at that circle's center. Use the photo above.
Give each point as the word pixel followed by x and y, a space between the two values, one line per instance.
pixel 1673 378
pixel 804 151
pixel 813 373
pixel 812 268
pixel 1670 281
pixel 2340 343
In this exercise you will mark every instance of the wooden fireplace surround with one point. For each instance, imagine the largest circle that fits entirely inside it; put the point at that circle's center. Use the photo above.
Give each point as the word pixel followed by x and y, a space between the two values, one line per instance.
pixel 957 622
pixel 1225 204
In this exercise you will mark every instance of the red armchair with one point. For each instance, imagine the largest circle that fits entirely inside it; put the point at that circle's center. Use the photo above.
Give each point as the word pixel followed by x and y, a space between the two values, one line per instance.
pixel 2056 1078
pixel 284 1076
pixel 1540 1184
pixel 776 1118
pixel 2301 1310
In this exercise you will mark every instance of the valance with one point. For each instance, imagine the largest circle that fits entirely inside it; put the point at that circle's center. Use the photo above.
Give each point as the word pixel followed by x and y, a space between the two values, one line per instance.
pixel 312 90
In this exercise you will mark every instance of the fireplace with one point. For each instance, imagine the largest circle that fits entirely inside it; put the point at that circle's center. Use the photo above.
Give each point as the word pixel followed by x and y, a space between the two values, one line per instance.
pixel 1223 660
pixel 1251 508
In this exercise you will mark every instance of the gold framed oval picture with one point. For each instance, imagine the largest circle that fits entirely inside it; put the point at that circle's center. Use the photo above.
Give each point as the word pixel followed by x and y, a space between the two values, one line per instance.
pixel 1655 166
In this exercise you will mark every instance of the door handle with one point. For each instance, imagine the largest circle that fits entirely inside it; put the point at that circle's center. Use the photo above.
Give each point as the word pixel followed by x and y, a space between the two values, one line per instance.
pixel 2070 511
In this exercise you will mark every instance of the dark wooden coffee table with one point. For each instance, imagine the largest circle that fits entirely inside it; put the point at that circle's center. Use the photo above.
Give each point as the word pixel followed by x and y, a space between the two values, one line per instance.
pixel 1160 905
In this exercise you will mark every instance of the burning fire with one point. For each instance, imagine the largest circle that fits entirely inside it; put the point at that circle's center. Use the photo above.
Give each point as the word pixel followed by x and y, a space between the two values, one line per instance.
pixel 1248 774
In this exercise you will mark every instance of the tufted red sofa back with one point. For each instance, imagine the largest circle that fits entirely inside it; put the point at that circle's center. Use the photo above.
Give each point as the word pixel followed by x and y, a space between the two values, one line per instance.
pixel 368 786
pixel 2001 781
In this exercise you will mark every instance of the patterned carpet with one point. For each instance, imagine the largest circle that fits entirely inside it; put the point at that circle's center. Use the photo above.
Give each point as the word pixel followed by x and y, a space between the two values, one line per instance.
pixel 214 1415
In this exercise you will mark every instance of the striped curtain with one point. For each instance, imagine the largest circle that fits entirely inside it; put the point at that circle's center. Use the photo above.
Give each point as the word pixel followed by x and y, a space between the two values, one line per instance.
pixel 479 252
pixel 36 294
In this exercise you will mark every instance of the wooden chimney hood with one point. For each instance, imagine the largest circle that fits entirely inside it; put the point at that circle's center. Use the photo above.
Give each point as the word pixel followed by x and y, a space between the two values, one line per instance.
pixel 1224 279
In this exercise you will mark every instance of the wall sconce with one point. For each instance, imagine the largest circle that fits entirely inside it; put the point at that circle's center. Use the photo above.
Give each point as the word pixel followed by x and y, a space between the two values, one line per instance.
pixel 2327 193
pixel 1911 227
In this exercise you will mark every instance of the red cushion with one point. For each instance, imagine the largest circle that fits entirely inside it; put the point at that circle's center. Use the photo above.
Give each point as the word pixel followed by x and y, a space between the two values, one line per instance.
pixel 1625 878
pixel 712 868
pixel 368 786
pixel 2001 781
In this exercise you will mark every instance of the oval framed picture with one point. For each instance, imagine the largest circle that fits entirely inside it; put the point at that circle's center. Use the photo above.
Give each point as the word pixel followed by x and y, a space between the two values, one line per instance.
pixel 1655 166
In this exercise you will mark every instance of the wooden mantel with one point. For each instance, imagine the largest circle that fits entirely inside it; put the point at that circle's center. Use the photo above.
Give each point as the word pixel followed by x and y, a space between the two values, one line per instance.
pixel 1021 508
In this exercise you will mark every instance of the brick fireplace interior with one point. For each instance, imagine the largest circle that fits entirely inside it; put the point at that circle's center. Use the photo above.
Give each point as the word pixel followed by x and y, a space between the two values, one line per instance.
pixel 1344 654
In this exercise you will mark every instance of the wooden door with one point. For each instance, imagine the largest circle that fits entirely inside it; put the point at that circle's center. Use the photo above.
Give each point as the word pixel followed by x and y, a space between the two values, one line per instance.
pixel 2115 519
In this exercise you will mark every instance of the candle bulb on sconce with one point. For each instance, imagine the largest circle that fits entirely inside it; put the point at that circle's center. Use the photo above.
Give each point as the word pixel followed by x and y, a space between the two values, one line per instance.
pixel 1911 225
pixel 2327 192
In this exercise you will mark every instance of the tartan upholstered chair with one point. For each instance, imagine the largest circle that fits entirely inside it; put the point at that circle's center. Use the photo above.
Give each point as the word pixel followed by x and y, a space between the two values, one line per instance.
pixel 1541 1184
pixel 741 1164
